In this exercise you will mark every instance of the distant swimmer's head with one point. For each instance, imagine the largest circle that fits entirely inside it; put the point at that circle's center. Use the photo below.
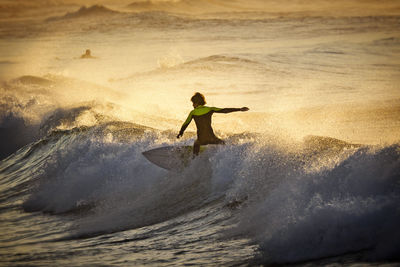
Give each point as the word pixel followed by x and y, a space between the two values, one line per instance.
pixel 87 54
pixel 198 100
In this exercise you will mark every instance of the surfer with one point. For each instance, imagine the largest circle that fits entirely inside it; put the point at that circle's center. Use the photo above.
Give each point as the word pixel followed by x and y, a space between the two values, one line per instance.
pixel 202 117
pixel 87 54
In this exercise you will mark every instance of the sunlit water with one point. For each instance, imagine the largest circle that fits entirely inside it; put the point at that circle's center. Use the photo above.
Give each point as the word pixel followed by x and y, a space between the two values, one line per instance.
pixel 309 174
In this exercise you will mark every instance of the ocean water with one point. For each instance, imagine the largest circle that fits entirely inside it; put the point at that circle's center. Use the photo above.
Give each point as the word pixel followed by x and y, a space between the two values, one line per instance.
pixel 309 176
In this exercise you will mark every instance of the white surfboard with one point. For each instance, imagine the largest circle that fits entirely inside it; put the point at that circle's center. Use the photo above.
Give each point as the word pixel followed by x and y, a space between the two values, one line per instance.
pixel 171 157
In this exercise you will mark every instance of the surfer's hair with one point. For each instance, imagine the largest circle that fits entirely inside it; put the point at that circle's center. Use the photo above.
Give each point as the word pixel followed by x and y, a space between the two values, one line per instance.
pixel 198 98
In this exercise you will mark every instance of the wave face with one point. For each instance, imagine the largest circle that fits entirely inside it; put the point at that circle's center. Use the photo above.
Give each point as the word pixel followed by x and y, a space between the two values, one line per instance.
pixel 94 181
pixel 316 199
pixel 86 12
pixel 327 207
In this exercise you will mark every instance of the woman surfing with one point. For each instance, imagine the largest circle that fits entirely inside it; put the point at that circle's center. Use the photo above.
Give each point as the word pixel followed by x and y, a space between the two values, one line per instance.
pixel 202 117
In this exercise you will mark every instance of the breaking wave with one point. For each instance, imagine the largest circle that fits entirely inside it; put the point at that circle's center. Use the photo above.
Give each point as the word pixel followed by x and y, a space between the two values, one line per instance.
pixel 298 201
pixel 327 205
pixel 87 12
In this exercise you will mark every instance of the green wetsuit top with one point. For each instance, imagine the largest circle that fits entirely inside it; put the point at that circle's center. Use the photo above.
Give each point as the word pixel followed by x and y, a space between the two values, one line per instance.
pixel 202 117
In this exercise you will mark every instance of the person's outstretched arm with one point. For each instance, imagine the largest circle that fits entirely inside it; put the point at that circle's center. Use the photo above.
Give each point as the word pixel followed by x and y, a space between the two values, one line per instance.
pixel 229 110
pixel 185 125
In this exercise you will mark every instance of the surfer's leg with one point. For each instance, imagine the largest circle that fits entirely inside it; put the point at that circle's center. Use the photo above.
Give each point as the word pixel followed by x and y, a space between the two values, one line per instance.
pixel 196 148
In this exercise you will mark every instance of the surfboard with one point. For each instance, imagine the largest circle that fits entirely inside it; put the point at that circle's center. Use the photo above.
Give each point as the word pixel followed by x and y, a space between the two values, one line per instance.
pixel 171 157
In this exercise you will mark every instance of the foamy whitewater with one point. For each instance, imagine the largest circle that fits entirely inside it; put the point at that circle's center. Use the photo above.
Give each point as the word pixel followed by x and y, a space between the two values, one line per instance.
pixel 310 175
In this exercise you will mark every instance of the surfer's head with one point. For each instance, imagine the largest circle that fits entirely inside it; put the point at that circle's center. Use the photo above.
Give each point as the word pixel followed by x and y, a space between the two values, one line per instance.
pixel 198 99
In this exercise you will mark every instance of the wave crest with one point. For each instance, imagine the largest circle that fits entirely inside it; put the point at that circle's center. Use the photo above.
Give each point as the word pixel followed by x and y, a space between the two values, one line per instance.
pixel 86 12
